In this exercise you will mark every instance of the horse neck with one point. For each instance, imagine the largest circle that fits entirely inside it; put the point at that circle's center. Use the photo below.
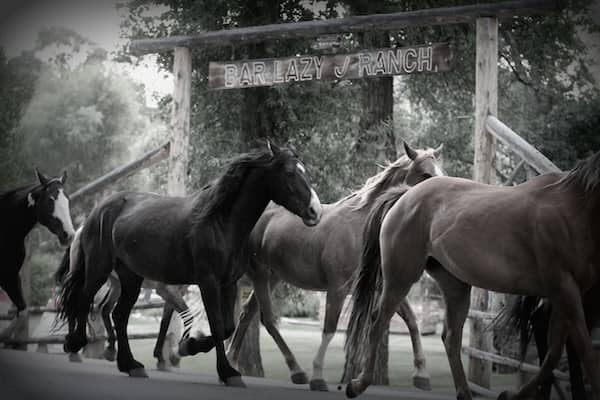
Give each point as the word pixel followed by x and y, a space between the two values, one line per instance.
pixel 19 217
pixel 252 200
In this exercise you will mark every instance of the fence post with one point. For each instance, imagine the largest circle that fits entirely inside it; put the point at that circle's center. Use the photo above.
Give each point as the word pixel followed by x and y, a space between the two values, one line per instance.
pixel 486 103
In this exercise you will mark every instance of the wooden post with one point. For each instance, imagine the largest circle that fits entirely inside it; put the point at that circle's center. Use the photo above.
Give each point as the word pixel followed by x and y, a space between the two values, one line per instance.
pixel 180 122
pixel 486 103
pixel 180 135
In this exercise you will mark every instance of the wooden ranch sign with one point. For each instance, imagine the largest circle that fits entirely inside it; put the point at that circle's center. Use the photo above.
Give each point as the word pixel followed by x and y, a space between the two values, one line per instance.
pixel 365 64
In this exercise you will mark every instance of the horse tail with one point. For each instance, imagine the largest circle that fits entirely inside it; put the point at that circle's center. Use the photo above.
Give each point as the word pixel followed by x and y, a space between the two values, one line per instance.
pixel 63 268
pixel 515 320
pixel 71 291
pixel 368 281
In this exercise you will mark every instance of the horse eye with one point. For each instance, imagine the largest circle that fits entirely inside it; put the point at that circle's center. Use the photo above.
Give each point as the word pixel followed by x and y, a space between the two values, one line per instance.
pixel 427 176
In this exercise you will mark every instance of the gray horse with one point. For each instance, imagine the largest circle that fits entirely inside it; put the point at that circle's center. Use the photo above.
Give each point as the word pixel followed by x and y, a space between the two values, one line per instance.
pixel 324 258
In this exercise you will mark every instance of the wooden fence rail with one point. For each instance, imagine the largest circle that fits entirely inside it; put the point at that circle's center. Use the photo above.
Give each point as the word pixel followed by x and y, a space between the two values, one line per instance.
pixel 56 339
pixel 520 146
pixel 148 159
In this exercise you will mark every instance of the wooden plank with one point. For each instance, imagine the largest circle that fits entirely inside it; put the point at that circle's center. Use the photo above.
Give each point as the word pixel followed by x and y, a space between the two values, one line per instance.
pixel 486 102
pixel 522 366
pixel 516 143
pixel 476 314
pixel 475 388
pixel 375 22
pixel 365 64
pixel 180 122
pixel 56 339
pixel 41 310
pixel 148 159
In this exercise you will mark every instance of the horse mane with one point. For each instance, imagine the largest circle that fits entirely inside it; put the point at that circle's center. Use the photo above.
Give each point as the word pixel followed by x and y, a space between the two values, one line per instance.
pixel 585 174
pixel 379 183
pixel 9 194
pixel 221 192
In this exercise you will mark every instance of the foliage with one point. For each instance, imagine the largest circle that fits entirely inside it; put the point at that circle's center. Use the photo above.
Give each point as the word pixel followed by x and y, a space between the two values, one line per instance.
pixel 291 302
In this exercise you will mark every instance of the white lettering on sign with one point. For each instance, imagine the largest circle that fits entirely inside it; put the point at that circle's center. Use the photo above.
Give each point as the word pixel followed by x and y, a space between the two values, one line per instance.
pixel 368 63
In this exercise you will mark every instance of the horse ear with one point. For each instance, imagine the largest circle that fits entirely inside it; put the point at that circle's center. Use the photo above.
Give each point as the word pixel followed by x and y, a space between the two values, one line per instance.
pixel 63 177
pixel 410 152
pixel 43 180
pixel 438 151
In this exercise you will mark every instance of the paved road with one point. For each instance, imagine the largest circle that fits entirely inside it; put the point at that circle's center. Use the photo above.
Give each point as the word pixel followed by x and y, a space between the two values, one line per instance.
pixel 29 376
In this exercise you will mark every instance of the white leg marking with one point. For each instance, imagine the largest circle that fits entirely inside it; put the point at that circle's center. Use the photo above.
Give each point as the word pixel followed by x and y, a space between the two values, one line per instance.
pixel 62 213
pixel 320 357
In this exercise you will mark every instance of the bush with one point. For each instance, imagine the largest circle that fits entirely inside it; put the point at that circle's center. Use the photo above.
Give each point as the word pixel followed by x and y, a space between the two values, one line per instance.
pixel 289 301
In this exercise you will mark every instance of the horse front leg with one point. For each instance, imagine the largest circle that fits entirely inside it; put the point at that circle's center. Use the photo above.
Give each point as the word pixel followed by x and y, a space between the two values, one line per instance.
pixel 421 378
pixel 220 319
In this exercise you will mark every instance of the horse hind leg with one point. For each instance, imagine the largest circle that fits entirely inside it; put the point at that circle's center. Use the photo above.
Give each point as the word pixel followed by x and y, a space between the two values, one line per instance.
pixel 457 296
pixel 393 293
pixel 131 284
pixel 333 308
pixel 421 378
pixel 110 352
pixel 173 302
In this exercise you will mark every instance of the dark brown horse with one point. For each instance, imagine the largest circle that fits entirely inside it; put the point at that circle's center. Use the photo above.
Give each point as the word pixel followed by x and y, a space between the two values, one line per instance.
pixel 324 258
pixel 200 239
pixel 541 238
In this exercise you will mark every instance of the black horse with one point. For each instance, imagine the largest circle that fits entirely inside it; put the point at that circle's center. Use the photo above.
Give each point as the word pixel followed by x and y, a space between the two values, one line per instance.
pixel 44 202
pixel 200 239
pixel 172 296
pixel 528 317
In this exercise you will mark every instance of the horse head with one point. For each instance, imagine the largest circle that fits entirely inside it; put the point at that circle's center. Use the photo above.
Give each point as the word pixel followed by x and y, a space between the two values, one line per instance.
pixel 51 206
pixel 424 165
pixel 290 185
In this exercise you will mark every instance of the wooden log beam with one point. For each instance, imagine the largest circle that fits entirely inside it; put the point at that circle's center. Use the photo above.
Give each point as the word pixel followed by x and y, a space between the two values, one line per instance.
pixel 486 103
pixel 522 366
pixel 516 143
pixel 148 159
pixel 375 22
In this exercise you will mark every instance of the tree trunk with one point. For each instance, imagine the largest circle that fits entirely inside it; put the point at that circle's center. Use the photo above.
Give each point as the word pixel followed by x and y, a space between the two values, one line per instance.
pixel 377 107
pixel 250 361
pixel 261 118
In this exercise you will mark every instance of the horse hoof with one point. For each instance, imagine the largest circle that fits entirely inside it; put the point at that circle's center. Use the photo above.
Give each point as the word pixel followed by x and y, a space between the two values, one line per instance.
pixel 163 366
pixel 110 354
pixel 351 390
pixel 421 382
pixel 174 359
pixel 299 378
pixel 75 357
pixel 506 395
pixel 319 385
pixel 137 373
pixel 235 381
pixel 183 349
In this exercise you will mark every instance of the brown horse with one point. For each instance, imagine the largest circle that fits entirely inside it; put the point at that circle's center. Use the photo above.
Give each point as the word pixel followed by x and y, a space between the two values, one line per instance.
pixel 324 258
pixel 541 238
